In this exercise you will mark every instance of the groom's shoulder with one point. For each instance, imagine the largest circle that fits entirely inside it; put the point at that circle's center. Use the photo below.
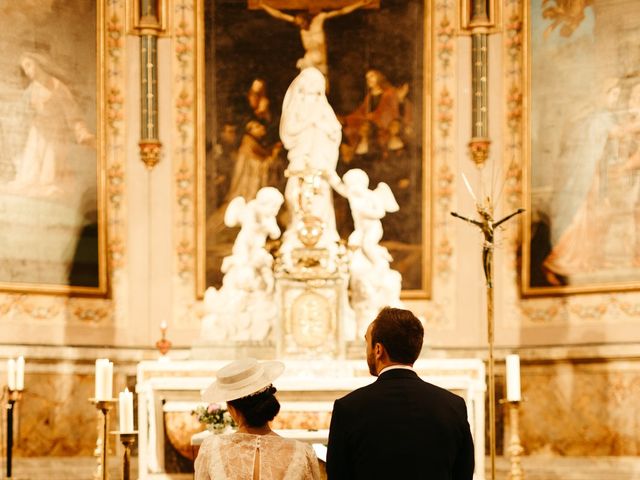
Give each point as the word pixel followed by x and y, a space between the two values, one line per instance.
pixel 358 395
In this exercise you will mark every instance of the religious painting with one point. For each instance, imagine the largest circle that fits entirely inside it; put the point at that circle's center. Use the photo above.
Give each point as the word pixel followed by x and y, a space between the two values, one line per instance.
pixel 582 147
pixel 374 57
pixel 52 229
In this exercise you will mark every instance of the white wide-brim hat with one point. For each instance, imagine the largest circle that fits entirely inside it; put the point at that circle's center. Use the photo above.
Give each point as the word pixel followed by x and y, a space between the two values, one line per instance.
pixel 242 378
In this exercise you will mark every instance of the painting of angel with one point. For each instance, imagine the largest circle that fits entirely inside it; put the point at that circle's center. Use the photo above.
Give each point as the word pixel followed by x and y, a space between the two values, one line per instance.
pixel 582 232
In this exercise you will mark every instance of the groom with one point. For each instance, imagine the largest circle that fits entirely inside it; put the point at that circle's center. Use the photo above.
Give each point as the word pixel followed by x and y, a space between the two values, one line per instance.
pixel 399 426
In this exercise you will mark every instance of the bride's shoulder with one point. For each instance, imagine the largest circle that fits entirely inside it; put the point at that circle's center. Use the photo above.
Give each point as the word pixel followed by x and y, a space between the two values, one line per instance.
pixel 213 441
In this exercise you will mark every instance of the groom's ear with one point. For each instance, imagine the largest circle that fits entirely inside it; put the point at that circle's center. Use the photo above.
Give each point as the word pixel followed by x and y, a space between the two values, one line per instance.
pixel 379 350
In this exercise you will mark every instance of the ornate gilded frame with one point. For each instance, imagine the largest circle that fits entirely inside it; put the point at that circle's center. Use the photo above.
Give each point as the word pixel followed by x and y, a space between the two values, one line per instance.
pixel 526 268
pixel 102 103
pixel 428 152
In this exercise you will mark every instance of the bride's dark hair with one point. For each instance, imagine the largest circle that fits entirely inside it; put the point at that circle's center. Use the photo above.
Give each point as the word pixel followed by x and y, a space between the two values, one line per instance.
pixel 258 408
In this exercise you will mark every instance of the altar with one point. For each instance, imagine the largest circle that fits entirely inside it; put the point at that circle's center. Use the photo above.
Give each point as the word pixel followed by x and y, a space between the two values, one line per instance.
pixel 169 390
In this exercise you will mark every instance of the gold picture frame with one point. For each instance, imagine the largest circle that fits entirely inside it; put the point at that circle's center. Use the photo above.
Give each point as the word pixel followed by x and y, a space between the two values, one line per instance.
pixel 581 230
pixel 252 61
pixel 53 181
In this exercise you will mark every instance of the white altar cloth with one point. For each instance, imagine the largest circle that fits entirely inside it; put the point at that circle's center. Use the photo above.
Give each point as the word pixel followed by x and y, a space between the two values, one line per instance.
pixel 305 386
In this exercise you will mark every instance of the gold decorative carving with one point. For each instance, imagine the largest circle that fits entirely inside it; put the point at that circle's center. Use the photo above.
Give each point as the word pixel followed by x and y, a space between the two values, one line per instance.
pixel 150 152
pixel 444 121
pixel 91 313
pixel 115 177
pixel 185 15
pixel 310 320
pixel 479 149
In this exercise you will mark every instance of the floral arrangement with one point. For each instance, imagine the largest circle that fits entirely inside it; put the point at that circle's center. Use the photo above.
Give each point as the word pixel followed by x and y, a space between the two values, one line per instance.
pixel 214 417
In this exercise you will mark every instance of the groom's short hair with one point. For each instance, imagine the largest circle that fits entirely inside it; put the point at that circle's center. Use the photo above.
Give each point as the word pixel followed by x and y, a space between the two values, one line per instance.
pixel 400 332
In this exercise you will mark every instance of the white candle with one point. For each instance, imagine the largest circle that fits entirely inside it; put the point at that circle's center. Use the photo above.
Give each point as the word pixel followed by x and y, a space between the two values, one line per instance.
pixel 108 381
pixel 104 379
pixel 20 374
pixel 99 389
pixel 11 374
pixel 125 400
pixel 513 378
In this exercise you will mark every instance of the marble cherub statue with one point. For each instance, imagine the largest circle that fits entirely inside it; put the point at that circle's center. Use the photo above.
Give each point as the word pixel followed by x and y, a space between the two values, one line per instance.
pixel 373 283
pixel 244 307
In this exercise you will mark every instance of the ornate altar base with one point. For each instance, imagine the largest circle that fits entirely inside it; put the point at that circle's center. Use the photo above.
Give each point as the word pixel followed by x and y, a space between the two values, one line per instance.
pixel 169 390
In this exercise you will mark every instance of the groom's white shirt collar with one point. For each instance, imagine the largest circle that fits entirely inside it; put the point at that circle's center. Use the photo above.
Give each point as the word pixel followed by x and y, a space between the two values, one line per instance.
pixel 396 367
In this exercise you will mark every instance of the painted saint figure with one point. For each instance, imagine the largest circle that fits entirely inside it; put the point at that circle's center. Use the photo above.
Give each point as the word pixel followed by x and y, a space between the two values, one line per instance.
pixel 251 171
pixel 385 110
pixel 584 189
pixel 56 119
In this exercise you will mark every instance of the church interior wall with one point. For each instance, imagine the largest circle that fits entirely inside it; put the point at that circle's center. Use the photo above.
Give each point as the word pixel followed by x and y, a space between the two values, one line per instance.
pixel 580 353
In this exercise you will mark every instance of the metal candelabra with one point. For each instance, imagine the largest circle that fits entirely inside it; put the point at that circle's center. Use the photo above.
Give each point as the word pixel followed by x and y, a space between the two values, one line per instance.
pixel 103 406
pixel 515 447
pixel 127 439
pixel 13 397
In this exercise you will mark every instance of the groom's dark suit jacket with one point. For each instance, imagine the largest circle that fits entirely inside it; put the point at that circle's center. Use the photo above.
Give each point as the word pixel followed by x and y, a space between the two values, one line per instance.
pixel 400 427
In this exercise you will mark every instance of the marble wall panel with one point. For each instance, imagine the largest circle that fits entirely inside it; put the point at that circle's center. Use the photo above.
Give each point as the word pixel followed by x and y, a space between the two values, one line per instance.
pixel 581 408
pixel 55 418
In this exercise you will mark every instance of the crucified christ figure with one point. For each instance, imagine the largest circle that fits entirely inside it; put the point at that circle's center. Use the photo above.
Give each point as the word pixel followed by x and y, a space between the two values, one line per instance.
pixel 312 32
pixel 487 227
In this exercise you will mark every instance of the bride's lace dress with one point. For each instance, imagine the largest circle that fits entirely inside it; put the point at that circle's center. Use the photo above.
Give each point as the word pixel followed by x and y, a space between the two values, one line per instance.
pixel 232 457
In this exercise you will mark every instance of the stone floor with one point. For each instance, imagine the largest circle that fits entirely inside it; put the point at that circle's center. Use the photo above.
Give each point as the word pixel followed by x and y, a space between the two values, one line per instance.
pixel 535 468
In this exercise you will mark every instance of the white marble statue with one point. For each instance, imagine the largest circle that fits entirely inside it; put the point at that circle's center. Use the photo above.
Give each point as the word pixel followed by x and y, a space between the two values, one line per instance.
pixel 244 308
pixel 311 132
pixel 373 283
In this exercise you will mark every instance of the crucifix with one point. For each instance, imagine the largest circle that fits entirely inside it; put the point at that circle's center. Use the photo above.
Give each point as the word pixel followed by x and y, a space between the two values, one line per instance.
pixel 488 226
pixel 311 23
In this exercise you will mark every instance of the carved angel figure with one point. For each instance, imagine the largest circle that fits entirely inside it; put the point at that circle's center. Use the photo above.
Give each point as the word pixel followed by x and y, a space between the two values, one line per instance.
pixel 368 207
pixel 373 283
pixel 244 308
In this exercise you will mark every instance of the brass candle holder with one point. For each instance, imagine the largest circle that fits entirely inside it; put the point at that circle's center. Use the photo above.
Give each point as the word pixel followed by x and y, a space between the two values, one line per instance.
pixel 104 406
pixel 163 345
pixel 514 448
pixel 13 397
pixel 127 439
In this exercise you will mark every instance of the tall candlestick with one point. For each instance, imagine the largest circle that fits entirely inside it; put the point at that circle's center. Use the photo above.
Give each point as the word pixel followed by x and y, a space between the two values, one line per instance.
pixel 20 373
pixel 102 447
pixel 514 449
pixel 127 439
pixel 11 374
pixel 513 378
pixel 126 411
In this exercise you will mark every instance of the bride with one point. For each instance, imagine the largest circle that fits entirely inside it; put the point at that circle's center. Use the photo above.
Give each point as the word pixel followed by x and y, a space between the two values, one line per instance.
pixel 254 452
